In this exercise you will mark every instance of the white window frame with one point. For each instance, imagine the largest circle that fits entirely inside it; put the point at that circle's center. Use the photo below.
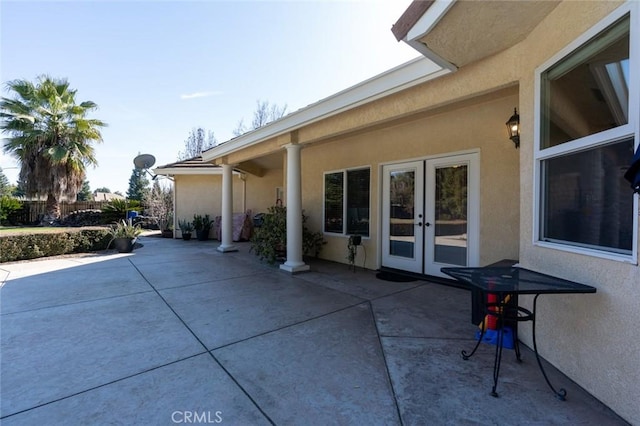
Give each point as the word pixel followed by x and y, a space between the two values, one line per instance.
pixel 344 200
pixel 631 129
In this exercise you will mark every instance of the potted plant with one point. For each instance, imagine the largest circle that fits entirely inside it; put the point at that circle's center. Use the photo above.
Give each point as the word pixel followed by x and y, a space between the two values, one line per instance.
pixel 123 236
pixel 202 225
pixel 270 239
pixel 186 228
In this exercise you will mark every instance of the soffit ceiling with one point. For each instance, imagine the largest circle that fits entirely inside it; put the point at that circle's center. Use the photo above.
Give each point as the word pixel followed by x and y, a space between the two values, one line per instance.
pixel 475 29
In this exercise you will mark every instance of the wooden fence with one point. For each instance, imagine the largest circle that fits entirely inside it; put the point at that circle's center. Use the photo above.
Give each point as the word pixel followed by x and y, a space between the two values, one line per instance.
pixel 32 211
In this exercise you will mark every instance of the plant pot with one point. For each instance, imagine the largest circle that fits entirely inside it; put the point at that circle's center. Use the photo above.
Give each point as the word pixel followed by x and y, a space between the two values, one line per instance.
pixel 123 245
pixel 186 236
pixel 356 240
pixel 202 235
pixel 167 233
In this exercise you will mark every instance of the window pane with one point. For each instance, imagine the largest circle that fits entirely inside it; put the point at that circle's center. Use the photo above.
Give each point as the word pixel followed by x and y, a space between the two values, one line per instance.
pixel 333 207
pixel 586 200
pixel 358 202
pixel 588 91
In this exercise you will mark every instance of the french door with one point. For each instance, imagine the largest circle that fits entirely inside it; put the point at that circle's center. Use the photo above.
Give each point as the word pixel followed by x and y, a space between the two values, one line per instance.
pixel 430 214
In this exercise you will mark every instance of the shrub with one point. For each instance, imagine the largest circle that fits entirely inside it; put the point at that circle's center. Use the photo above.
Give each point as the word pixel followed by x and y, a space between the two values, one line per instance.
pixel 8 205
pixel 269 241
pixel 32 246
pixel 117 209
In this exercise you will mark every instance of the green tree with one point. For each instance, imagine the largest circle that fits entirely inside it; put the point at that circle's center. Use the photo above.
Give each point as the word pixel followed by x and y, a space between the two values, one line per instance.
pixel 5 187
pixel 85 192
pixel 103 189
pixel 17 190
pixel 138 185
pixel 51 136
pixel 8 206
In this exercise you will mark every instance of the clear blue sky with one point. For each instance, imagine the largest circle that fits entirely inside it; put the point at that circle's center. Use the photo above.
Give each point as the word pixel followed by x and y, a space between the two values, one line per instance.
pixel 157 69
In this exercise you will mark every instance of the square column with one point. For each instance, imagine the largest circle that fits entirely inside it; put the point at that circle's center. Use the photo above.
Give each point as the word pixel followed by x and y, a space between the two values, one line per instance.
pixel 226 225
pixel 294 261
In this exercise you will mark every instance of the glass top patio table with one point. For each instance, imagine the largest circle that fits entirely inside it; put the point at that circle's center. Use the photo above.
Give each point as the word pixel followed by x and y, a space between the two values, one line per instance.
pixel 515 280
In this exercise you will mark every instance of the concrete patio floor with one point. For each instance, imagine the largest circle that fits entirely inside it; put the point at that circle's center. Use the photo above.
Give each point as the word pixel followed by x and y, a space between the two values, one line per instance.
pixel 177 332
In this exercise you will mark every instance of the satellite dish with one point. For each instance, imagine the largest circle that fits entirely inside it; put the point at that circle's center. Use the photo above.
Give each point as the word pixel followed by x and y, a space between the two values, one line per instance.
pixel 144 161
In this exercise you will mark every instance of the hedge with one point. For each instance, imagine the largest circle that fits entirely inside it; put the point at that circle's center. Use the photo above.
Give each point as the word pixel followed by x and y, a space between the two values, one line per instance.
pixel 32 246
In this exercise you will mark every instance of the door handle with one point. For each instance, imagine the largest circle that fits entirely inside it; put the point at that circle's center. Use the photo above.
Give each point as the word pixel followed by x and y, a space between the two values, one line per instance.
pixel 427 224
pixel 419 224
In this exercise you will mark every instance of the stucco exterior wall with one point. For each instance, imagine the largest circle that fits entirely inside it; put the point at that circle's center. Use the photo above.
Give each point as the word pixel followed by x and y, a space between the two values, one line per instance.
pixel 595 338
pixel 202 194
pixel 261 191
pixel 477 125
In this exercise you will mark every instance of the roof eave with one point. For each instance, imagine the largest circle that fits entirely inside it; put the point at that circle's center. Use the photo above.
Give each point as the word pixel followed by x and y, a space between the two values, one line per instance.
pixel 173 171
pixel 409 74
pixel 410 17
pixel 418 22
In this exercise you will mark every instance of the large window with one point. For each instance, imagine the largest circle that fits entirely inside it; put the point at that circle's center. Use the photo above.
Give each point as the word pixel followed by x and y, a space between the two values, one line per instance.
pixel 586 140
pixel 346 202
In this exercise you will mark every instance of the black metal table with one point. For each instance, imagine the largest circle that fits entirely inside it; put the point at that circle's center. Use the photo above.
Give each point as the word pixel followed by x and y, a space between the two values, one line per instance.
pixel 507 283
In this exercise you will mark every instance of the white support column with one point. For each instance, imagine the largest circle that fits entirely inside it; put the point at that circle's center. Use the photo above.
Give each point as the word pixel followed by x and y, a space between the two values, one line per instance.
pixel 226 225
pixel 294 261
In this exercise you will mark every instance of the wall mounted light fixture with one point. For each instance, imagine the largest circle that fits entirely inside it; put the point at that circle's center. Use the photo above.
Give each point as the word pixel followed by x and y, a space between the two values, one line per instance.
pixel 513 127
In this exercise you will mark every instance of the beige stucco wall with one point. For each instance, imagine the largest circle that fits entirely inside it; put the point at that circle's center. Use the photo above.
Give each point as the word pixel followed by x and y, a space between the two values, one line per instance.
pixel 202 194
pixel 477 125
pixel 261 191
pixel 594 339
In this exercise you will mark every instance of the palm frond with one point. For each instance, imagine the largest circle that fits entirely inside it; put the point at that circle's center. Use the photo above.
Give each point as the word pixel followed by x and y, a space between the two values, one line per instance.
pixel 50 134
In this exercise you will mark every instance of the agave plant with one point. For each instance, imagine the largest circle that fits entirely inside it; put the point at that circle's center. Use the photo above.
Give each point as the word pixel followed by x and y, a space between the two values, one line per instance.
pixel 123 229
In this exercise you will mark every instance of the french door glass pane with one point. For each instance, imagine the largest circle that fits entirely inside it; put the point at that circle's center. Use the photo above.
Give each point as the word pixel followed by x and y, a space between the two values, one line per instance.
pixel 401 215
pixel 587 201
pixel 450 245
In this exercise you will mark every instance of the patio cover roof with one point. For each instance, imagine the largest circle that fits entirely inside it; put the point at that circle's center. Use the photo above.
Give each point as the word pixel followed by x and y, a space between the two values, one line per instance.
pixel 412 73
pixel 191 166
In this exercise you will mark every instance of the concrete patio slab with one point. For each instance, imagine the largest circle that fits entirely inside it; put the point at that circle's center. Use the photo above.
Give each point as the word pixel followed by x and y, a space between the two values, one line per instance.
pixel 214 267
pixel 431 310
pixel 434 385
pixel 23 269
pixel 166 395
pixel 161 250
pixel 123 339
pixel 317 372
pixel 53 353
pixel 224 312
pixel 109 278
pixel 361 284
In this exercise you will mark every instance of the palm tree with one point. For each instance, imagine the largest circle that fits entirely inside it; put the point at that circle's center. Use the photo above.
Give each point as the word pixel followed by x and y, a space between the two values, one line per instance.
pixel 51 136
